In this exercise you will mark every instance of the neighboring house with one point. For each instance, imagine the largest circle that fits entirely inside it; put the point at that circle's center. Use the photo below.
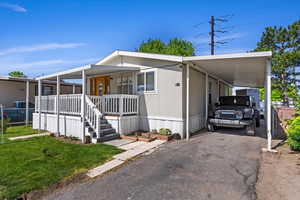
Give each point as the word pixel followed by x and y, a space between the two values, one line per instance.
pixel 14 89
pixel 129 91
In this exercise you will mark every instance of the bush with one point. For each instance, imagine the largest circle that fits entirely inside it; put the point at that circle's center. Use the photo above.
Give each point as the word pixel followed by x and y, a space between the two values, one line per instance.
pixel 293 134
pixel 165 131
pixel 5 123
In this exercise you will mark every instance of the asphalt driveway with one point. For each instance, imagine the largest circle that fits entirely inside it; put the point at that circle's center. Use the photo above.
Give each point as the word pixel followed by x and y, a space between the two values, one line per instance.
pixel 220 165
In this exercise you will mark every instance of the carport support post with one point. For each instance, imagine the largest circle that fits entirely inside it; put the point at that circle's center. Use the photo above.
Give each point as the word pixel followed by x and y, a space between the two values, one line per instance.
pixel 268 103
pixel 27 103
pixel 83 105
pixel 206 98
pixel 57 103
pixel 39 103
pixel 187 129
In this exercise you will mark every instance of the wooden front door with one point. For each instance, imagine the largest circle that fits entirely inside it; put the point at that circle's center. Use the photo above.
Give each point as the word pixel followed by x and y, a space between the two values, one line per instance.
pixel 100 86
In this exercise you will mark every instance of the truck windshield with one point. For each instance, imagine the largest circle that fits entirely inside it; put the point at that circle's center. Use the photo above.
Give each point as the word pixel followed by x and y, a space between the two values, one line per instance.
pixel 234 100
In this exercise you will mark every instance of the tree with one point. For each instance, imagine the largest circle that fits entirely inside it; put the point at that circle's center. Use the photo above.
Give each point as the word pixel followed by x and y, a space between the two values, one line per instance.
pixel 173 47
pixel 17 74
pixel 284 42
pixel 152 46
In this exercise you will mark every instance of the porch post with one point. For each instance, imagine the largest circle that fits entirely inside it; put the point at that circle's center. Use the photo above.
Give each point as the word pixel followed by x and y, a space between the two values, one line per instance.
pixel 187 101
pixel 206 98
pixel 39 103
pixel 27 103
pixel 83 105
pixel 74 89
pixel 268 102
pixel 57 104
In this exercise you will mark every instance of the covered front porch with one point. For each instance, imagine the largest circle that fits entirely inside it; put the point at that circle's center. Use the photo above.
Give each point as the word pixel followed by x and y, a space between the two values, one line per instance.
pixel 108 105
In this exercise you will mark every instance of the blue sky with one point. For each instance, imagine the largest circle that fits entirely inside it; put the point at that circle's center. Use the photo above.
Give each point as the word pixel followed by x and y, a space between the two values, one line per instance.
pixel 46 36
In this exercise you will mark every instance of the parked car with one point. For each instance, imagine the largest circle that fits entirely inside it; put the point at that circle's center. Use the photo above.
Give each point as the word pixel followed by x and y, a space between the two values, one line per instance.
pixel 236 112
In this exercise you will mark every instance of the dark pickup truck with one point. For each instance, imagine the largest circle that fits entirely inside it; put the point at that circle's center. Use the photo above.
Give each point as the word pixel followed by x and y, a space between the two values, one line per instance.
pixel 235 112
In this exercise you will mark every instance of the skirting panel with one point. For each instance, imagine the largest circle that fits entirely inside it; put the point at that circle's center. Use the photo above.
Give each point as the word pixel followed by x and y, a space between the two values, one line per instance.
pixel 151 123
pixel 124 125
pixel 68 125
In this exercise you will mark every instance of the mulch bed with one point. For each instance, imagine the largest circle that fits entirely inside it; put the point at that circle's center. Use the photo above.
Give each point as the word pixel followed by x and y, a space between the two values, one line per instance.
pixel 146 136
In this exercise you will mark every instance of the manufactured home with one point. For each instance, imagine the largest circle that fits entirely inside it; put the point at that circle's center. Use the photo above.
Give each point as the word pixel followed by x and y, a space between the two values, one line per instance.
pixel 130 91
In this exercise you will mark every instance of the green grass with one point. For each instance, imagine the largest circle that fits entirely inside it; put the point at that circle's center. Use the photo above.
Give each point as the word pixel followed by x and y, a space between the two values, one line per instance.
pixel 14 131
pixel 38 162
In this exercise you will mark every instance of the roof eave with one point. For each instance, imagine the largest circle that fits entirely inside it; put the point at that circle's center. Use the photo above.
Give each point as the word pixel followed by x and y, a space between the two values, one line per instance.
pixel 266 54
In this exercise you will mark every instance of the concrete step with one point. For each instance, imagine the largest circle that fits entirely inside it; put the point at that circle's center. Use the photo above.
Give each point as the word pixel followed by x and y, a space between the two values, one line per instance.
pixel 108 137
pixel 105 126
pixel 107 131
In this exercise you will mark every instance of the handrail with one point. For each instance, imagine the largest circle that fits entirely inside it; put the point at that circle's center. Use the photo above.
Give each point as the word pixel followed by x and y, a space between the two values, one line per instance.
pixel 93 115
pixel 120 104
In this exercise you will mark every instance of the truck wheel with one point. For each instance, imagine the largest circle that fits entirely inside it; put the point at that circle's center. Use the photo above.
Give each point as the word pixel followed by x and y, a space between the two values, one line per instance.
pixel 257 122
pixel 210 127
pixel 250 129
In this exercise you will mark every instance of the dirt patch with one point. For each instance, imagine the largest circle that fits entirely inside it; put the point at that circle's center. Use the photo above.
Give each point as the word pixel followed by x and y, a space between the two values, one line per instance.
pixel 279 175
pixel 38 194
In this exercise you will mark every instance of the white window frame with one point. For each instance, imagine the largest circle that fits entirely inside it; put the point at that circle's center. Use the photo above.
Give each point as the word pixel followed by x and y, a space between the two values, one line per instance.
pixel 155 81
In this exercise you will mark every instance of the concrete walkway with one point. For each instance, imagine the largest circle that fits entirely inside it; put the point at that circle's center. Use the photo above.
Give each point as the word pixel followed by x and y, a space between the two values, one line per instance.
pixel 28 136
pixel 220 165
pixel 133 149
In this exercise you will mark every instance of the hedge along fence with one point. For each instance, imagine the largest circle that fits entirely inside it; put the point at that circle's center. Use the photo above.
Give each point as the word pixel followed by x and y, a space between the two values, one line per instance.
pixel 5 123
pixel 293 134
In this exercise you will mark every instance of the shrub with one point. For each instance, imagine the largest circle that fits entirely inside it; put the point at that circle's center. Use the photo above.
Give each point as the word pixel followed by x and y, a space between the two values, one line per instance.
pixel 165 131
pixel 293 134
pixel 5 123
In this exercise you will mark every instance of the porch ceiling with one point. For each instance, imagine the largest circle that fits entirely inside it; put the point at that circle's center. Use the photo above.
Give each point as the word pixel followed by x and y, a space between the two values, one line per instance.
pixel 245 69
pixel 90 70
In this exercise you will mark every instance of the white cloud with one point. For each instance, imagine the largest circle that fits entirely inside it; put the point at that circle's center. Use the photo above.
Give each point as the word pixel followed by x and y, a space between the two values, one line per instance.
pixel 31 65
pixel 37 68
pixel 13 7
pixel 39 47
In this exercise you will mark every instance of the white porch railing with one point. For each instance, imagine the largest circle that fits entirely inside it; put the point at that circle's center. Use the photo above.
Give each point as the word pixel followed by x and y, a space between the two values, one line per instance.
pixel 118 104
pixel 68 104
pixel 93 116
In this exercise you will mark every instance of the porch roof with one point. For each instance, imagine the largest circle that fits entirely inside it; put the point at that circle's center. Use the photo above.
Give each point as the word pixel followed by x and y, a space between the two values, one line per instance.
pixel 243 69
pixel 90 70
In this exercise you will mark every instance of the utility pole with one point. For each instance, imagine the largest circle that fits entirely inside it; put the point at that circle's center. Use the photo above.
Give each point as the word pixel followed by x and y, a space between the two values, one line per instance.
pixel 215 29
pixel 212 35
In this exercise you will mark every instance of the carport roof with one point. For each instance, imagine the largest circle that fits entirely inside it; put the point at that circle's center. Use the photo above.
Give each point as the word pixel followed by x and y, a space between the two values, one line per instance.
pixel 244 69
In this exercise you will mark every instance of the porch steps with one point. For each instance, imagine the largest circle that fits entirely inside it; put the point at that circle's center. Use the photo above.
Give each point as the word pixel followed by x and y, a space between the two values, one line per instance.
pixel 106 132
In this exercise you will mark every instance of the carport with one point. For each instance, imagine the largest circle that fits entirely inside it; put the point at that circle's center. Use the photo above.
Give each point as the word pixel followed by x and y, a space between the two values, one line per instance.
pixel 237 70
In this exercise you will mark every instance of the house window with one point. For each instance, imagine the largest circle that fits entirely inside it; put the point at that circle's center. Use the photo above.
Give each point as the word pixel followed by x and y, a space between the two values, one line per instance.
pixel 46 90
pixel 140 82
pixel 146 81
pixel 125 84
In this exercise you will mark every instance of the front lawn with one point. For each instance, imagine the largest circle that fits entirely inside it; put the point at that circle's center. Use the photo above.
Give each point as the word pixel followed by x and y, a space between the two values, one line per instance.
pixel 38 162
pixel 20 130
